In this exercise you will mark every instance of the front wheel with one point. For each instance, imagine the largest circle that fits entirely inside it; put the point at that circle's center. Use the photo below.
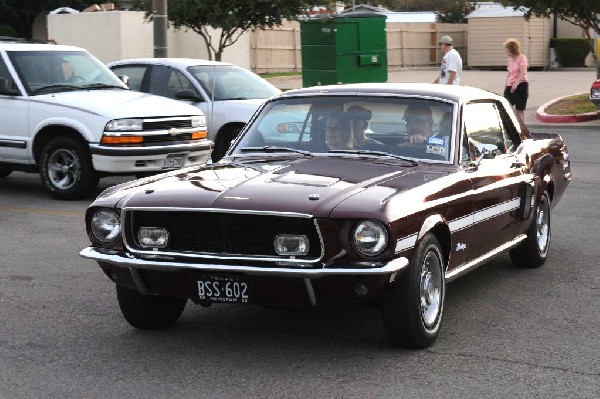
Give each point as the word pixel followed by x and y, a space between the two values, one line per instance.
pixel 149 312
pixel 533 251
pixel 66 169
pixel 413 307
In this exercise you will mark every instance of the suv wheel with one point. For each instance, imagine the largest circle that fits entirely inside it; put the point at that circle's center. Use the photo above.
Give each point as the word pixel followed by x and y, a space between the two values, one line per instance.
pixel 66 169
pixel 4 172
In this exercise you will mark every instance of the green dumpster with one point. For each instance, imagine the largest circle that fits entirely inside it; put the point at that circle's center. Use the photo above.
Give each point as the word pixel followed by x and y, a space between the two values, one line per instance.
pixel 344 49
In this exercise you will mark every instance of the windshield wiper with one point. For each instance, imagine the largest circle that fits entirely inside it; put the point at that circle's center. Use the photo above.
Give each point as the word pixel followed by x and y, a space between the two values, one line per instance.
pixel 59 87
pixel 271 149
pixel 94 86
pixel 380 153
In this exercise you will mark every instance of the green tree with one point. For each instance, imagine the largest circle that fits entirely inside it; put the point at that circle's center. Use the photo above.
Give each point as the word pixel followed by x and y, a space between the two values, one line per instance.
pixel 582 13
pixel 455 11
pixel 449 11
pixel 229 18
pixel 20 14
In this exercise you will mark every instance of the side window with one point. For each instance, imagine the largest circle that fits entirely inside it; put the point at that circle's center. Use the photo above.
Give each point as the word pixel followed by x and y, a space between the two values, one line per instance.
pixel 135 73
pixel 7 84
pixel 178 81
pixel 483 129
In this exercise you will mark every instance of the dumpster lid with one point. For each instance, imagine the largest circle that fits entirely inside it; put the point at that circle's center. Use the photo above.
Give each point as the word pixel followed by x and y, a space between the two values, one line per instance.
pixel 359 14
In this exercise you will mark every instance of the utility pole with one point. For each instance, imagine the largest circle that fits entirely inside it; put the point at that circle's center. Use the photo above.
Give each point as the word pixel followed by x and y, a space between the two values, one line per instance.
pixel 159 17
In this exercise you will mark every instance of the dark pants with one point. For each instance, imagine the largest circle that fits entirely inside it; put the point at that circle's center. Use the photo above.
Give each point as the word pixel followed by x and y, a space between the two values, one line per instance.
pixel 518 99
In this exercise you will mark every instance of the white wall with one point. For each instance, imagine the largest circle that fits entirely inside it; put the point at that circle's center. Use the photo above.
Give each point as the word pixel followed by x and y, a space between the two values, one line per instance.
pixel 116 35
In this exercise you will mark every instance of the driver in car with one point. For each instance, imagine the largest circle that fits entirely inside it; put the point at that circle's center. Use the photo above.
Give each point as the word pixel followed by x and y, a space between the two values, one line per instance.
pixel 419 123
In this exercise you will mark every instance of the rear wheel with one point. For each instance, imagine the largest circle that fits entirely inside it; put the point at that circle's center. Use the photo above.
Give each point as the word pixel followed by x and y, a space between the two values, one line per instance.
pixel 413 307
pixel 533 251
pixel 66 169
pixel 223 142
pixel 149 312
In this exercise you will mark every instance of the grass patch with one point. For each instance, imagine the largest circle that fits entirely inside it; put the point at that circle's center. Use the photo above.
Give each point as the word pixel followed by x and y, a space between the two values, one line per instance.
pixel 572 105
pixel 277 74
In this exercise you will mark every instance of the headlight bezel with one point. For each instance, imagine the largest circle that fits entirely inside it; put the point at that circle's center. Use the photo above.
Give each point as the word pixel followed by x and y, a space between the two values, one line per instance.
pixel 125 125
pixel 363 226
pixel 109 217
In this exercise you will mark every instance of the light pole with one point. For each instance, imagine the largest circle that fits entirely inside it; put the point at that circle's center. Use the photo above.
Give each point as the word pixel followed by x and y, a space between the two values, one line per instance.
pixel 159 17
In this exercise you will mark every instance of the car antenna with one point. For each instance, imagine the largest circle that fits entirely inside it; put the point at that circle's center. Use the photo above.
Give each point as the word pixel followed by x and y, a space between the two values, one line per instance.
pixel 212 108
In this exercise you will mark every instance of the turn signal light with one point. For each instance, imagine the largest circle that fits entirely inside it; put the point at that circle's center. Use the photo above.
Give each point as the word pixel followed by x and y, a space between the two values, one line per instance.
pixel 199 135
pixel 122 139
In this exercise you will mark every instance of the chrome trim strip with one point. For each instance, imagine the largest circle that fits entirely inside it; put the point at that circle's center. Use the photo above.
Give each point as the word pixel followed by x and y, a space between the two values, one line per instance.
pixel 406 242
pixel 119 259
pixel 480 260
pixel 311 292
pixel 216 210
pixel 139 283
pixel 466 221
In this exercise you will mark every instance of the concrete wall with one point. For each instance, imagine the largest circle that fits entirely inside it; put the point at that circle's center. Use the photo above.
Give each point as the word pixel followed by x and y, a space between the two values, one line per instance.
pixel 116 35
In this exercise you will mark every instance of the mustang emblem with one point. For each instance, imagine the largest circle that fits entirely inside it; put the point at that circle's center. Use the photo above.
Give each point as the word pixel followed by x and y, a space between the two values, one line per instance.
pixel 461 246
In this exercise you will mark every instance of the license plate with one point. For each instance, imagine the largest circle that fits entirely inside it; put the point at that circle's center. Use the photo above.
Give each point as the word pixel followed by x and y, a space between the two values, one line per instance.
pixel 173 161
pixel 224 289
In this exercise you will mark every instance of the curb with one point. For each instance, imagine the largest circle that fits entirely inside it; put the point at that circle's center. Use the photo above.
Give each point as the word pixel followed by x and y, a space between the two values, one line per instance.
pixel 542 116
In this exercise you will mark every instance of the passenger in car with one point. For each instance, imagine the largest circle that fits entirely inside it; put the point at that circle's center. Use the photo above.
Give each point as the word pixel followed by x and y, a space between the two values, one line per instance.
pixel 359 123
pixel 337 132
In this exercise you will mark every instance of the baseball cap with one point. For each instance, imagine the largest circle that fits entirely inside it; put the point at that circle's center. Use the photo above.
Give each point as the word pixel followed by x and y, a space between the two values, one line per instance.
pixel 418 111
pixel 445 40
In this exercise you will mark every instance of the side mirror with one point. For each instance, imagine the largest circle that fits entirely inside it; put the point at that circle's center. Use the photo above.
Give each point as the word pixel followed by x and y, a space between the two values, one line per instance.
pixel 188 94
pixel 124 79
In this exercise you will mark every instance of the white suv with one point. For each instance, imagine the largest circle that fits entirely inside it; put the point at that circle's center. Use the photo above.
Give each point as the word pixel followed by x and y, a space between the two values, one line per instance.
pixel 68 117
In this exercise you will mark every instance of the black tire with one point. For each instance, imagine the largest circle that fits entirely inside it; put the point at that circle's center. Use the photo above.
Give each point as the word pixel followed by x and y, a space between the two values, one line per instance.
pixel 533 251
pixel 223 142
pixel 4 172
pixel 412 308
pixel 149 312
pixel 66 169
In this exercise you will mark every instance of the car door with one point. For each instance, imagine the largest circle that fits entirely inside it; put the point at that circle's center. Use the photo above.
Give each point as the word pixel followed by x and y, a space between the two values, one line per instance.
pixel 14 129
pixel 497 178
pixel 137 75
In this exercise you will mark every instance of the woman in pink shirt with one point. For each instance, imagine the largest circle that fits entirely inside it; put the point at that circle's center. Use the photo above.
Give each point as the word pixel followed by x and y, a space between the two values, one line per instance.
pixel 517 87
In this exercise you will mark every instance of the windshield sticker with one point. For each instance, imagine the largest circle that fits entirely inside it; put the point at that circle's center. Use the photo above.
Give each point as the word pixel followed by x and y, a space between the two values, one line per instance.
pixel 436 145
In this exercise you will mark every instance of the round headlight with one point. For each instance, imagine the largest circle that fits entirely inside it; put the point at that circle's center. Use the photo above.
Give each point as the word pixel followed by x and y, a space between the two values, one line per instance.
pixel 105 225
pixel 370 238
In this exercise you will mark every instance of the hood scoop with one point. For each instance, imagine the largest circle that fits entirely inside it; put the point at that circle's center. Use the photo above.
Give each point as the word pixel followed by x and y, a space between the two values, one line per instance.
pixel 306 180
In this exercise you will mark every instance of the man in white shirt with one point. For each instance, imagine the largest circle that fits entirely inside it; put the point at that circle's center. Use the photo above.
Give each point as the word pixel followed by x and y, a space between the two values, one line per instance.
pixel 451 68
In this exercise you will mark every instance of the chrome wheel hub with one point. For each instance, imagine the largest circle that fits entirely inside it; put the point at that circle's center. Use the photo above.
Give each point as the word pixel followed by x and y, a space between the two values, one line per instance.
pixel 430 288
pixel 542 226
pixel 63 169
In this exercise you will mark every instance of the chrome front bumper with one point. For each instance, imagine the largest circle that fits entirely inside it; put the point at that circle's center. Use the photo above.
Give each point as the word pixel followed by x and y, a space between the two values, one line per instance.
pixel 120 260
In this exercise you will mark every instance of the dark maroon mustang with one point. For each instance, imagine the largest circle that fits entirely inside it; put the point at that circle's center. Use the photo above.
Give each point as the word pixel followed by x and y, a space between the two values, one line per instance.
pixel 355 193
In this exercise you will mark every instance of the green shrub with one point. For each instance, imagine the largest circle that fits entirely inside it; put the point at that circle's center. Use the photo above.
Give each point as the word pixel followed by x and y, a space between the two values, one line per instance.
pixel 7 30
pixel 571 52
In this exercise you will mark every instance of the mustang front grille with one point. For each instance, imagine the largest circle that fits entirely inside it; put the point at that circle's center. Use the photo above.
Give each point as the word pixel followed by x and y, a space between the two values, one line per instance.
pixel 221 234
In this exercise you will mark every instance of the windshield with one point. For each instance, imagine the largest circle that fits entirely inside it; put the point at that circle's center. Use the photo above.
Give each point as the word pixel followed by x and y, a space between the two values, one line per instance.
pixel 415 128
pixel 61 71
pixel 231 83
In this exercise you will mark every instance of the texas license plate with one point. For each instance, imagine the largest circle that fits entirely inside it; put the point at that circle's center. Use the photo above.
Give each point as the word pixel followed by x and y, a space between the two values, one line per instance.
pixel 173 161
pixel 224 289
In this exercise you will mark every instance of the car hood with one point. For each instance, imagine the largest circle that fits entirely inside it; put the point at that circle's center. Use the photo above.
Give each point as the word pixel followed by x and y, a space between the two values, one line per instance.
pixel 316 186
pixel 119 103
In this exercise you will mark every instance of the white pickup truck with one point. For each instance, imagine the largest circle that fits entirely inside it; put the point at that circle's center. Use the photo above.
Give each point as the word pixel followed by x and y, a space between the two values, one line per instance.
pixel 65 115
